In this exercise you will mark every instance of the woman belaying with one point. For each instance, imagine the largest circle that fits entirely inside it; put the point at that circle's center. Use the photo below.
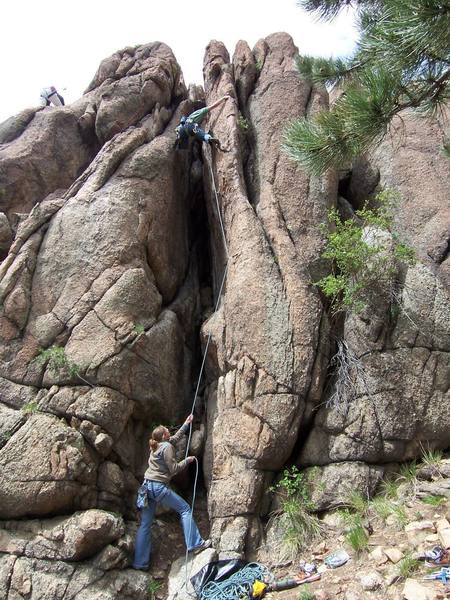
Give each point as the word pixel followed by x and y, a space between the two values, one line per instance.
pixel 162 466
pixel 190 126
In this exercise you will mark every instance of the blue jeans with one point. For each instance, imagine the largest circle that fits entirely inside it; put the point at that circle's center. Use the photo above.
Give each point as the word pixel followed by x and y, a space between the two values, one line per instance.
pixel 159 492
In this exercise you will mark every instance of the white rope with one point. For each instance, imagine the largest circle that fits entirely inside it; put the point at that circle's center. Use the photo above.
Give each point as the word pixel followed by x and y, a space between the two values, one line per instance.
pixel 202 366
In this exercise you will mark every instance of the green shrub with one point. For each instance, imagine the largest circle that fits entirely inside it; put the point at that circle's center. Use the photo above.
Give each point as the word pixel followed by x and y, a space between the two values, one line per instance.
pixel 30 407
pixel 408 472
pixel 306 594
pixel 358 503
pixel 431 458
pixel 139 328
pixel 357 537
pixel 389 488
pixel 400 515
pixel 407 566
pixel 57 361
pixel 300 526
pixel 359 268
pixel 152 588
pixel 243 123
pixel 434 500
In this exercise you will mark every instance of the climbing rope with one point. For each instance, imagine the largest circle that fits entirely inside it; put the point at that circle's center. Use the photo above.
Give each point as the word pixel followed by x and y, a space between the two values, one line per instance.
pixel 239 585
pixel 205 353
pixel 219 294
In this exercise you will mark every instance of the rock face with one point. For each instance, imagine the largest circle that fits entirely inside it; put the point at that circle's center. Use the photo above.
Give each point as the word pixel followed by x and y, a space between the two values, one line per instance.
pixel 102 272
pixel 113 261
pixel 399 400
pixel 266 333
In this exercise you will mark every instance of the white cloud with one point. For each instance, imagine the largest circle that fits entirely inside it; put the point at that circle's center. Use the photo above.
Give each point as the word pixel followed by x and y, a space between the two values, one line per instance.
pixel 62 44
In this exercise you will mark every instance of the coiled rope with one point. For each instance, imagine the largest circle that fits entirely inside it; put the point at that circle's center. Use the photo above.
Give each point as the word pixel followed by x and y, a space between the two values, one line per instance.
pixel 237 586
pixel 205 353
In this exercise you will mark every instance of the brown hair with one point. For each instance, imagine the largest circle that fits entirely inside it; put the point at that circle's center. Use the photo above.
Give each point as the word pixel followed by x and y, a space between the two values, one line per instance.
pixel 157 436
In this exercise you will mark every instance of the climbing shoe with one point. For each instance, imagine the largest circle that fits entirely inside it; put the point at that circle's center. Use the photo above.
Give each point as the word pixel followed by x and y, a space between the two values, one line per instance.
pixel 205 544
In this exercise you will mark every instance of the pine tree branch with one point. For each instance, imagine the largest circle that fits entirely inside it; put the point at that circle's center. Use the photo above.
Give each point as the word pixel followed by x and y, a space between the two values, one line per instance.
pixel 431 93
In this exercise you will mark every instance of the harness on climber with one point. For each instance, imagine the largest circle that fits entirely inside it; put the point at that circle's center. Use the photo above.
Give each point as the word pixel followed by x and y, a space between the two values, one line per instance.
pixel 190 127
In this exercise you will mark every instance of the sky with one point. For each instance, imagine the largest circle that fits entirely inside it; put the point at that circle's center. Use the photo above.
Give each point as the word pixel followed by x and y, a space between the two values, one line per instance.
pixel 62 43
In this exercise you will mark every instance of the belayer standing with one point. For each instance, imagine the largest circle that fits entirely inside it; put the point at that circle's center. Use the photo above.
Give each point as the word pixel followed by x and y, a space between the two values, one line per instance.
pixel 162 466
pixel 190 127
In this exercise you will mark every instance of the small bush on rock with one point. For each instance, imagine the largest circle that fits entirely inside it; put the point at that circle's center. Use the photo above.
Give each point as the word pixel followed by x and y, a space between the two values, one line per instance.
pixel 361 262
pixel 407 566
pixel 57 361
pixel 300 526
pixel 30 407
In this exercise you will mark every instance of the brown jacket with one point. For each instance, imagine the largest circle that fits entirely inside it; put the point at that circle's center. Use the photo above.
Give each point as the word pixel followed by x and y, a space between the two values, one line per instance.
pixel 162 464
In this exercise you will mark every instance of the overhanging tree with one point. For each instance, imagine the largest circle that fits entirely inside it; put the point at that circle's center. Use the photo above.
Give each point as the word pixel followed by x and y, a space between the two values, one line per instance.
pixel 402 61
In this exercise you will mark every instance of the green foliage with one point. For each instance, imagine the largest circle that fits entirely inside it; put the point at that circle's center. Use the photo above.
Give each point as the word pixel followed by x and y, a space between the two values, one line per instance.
pixel 259 65
pixel 139 328
pixel 358 267
pixel 358 503
pixel 322 70
pixel 434 500
pixel 407 566
pixel 382 507
pixel 30 407
pixel 400 514
pixel 445 149
pixel 306 594
pixel 295 485
pixel 402 61
pixel 56 360
pixel 356 535
pixel 328 9
pixel 7 435
pixel 405 253
pixel 389 488
pixel 243 123
pixel 152 588
pixel 431 458
pixel 299 525
pixel 408 472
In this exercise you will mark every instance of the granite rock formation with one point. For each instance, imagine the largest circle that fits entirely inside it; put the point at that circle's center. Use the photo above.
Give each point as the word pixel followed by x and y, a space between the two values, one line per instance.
pixel 113 259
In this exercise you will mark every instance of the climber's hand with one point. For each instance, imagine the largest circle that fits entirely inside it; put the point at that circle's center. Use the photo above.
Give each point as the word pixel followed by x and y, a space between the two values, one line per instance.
pixel 189 419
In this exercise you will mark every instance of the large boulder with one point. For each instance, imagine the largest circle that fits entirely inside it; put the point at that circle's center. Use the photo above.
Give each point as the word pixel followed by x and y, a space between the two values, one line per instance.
pixel 53 580
pixel 73 538
pixel 46 468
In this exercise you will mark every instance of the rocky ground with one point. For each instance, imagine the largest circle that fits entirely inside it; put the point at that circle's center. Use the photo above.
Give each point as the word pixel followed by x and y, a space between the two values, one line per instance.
pixel 410 516
pixel 387 566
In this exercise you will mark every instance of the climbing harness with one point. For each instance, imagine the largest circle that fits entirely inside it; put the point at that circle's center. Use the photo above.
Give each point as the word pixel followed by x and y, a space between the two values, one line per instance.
pixel 205 353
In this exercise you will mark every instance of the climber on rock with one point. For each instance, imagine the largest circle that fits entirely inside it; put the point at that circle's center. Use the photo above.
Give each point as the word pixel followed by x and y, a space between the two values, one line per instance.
pixel 162 466
pixel 49 95
pixel 190 127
